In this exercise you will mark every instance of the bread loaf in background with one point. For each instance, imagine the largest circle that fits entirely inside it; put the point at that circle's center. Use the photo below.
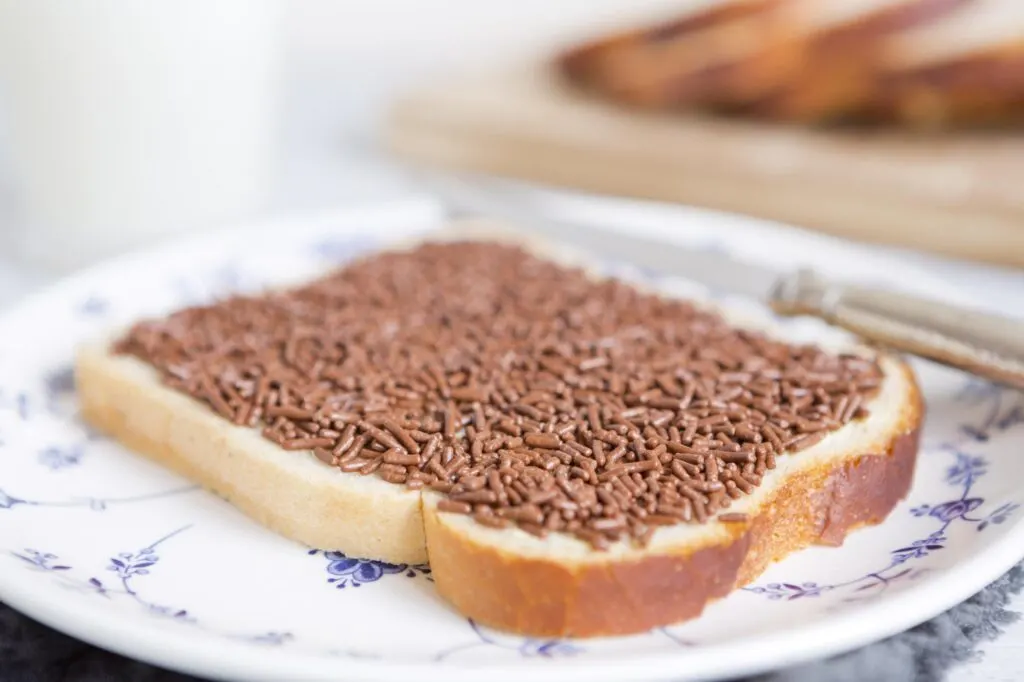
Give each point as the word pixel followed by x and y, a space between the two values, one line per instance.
pixel 921 63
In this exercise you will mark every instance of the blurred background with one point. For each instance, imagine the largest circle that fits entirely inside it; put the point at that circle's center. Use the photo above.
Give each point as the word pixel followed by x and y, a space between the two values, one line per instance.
pixel 124 123
pixel 121 122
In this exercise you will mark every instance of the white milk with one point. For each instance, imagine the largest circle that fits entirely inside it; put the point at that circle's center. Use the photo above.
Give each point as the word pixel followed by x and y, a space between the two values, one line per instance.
pixel 133 119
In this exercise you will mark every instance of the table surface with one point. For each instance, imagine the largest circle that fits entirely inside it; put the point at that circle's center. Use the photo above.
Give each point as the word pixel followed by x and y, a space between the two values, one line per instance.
pixel 330 160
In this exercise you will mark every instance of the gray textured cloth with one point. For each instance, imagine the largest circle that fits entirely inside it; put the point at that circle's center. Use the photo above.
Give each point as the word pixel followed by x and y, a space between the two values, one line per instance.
pixel 925 653
pixel 30 652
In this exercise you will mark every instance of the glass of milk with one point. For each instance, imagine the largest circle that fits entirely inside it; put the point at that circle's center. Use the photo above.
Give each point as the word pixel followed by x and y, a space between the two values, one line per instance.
pixel 131 121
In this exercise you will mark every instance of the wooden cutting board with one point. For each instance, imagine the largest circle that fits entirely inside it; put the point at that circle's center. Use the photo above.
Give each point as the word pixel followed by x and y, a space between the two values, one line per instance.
pixel 961 195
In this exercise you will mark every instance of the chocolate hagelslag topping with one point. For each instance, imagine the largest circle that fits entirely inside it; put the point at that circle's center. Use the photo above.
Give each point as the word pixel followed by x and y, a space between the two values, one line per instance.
pixel 528 393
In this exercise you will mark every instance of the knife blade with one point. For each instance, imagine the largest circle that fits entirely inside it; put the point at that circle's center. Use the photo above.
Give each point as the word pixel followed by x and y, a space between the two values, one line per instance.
pixel 987 345
pixel 465 197
pixel 713 269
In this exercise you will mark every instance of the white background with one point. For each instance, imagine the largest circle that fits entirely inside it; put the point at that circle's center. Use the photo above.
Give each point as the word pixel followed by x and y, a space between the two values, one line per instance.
pixel 347 58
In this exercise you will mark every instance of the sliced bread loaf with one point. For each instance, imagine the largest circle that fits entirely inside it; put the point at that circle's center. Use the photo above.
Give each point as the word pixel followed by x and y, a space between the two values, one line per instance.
pixel 792 59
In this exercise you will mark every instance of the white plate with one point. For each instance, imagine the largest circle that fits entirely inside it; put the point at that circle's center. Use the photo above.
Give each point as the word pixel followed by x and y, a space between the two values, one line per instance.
pixel 107 547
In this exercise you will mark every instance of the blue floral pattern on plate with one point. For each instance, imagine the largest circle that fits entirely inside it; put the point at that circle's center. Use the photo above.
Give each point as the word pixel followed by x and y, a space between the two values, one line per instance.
pixel 127 568
pixel 344 571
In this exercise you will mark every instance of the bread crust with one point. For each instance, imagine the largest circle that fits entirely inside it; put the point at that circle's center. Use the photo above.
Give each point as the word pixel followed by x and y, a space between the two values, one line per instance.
pixel 552 598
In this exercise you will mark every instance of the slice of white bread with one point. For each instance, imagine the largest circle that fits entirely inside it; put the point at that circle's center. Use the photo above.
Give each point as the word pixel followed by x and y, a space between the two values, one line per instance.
pixel 509 579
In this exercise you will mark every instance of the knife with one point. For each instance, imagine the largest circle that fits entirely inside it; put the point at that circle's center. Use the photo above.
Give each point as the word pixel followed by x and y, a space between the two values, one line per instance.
pixel 981 343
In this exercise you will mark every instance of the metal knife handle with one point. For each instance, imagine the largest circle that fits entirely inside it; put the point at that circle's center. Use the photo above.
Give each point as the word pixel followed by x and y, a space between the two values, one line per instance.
pixel 987 345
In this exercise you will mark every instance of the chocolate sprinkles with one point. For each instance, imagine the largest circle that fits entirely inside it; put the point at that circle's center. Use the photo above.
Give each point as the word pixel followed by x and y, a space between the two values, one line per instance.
pixel 526 393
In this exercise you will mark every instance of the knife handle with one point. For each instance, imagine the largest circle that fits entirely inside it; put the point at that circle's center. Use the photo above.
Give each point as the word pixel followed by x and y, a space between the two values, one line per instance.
pixel 987 345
